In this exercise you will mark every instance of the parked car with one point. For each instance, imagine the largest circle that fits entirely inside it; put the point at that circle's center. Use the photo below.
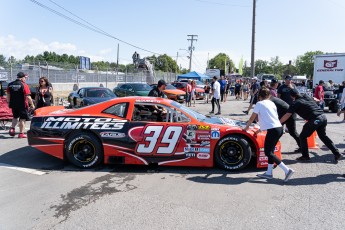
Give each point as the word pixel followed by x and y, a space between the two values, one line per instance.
pixel 132 89
pixel 200 92
pixel 89 96
pixel 172 93
pixel 133 130
pixel 199 84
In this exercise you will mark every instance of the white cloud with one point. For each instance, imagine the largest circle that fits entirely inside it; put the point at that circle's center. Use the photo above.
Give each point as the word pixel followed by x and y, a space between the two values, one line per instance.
pixel 11 46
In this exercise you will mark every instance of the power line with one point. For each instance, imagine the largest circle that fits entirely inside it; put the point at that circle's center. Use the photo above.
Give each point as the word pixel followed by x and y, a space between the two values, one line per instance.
pixel 90 27
pixel 218 3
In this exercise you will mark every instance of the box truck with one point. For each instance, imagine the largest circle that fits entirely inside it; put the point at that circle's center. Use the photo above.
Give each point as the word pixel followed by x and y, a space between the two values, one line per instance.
pixel 329 67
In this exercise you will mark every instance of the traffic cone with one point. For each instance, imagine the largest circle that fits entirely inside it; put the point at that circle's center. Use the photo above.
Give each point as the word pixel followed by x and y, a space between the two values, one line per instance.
pixel 312 141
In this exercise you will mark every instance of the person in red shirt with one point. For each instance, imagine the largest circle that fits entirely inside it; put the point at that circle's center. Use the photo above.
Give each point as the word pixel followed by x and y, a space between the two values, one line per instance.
pixel 320 94
pixel 19 99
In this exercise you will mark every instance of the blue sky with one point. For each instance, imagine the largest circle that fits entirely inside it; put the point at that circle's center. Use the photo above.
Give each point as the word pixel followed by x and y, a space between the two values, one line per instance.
pixel 284 28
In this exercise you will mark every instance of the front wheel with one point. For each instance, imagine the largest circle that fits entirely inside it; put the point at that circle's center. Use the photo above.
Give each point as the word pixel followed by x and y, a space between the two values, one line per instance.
pixel 84 150
pixel 233 153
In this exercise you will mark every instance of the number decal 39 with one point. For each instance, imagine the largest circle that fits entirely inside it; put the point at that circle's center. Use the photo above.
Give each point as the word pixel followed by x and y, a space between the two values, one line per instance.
pixel 159 140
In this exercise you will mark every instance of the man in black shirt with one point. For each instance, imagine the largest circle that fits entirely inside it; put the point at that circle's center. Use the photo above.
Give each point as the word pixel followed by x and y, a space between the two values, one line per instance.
pixel 157 91
pixel 284 90
pixel 254 94
pixel 306 108
pixel 282 109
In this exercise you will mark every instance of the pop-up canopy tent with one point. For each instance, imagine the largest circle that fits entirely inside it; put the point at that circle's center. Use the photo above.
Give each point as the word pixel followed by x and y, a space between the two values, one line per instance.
pixel 193 75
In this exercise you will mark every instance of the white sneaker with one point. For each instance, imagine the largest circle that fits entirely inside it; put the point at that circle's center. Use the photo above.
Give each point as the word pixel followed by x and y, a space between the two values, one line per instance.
pixel 265 176
pixel 289 174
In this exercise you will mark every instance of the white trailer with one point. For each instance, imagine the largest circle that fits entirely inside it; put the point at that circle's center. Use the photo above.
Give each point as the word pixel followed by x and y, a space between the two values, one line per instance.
pixel 329 67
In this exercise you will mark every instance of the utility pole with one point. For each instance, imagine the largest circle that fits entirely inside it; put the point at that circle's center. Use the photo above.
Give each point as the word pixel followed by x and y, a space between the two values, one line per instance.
pixel 252 70
pixel 191 48
pixel 117 61
pixel 208 61
pixel 176 62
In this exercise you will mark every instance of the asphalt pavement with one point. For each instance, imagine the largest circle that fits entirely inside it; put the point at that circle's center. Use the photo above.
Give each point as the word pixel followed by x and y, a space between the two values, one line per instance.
pixel 38 191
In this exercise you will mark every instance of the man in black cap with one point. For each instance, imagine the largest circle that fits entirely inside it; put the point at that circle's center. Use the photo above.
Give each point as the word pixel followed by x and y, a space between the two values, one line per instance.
pixel 157 91
pixel 19 99
pixel 307 108
pixel 284 90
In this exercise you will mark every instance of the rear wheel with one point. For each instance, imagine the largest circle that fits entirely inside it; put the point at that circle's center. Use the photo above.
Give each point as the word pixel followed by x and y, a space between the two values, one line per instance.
pixel 84 150
pixel 233 153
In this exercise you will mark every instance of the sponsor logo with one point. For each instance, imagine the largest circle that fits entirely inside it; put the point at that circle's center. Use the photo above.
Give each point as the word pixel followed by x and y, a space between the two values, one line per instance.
pixel 215 129
pixel 275 149
pixel 190 135
pixel 112 134
pixel 83 123
pixel 330 64
pixel 204 127
pixel 203 156
pixel 205 143
pixel 192 127
pixel 204 136
pixel 192 155
pixel 193 149
pixel 215 135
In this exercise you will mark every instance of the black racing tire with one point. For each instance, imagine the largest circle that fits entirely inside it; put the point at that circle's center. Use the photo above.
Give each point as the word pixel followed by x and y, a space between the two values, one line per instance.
pixel 84 150
pixel 232 153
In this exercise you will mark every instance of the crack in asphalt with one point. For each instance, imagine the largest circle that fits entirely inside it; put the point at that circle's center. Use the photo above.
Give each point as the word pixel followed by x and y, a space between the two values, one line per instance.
pixel 91 192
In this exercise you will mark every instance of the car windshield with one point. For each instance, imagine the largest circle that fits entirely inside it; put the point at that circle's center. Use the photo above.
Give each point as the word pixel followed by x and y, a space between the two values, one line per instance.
pixel 141 87
pixel 199 82
pixel 169 86
pixel 99 93
pixel 208 119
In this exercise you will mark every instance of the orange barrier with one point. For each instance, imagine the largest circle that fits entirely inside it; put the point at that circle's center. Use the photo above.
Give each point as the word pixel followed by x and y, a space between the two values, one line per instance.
pixel 312 141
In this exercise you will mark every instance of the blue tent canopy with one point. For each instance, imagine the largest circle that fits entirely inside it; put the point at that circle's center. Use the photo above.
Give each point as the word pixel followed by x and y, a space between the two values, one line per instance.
pixel 193 75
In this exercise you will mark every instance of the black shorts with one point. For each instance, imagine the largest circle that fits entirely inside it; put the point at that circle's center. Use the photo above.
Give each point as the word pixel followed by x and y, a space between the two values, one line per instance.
pixel 254 99
pixel 237 91
pixel 21 113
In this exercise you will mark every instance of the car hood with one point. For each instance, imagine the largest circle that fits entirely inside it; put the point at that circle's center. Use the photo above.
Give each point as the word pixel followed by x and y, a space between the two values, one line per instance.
pixel 174 91
pixel 199 90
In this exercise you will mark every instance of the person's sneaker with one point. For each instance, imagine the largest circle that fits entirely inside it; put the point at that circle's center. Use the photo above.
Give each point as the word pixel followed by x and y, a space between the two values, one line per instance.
pixel 338 113
pixel 303 158
pixel 265 176
pixel 22 135
pixel 289 175
pixel 11 132
pixel 246 112
pixel 337 157
pixel 211 112
pixel 218 113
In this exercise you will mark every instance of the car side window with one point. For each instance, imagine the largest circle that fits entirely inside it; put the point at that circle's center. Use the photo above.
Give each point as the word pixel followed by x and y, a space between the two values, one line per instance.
pixel 81 92
pixel 119 110
pixel 124 86
pixel 157 113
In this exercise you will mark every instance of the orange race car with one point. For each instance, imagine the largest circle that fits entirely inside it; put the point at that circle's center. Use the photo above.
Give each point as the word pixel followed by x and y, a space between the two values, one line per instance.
pixel 173 93
pixel 143 131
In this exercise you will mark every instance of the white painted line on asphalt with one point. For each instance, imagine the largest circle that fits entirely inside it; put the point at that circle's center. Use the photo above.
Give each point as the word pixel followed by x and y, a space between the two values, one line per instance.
pixel 26 170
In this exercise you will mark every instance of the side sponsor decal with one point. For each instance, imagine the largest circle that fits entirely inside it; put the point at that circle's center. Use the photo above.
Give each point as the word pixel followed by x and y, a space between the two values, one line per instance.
pixel 193 149
pixel 112 135
pixel 203 156
pixel 215 135
pixel 190 135
pixel 83 123
pixel 203 136
pixel 204 127
pixel 192 127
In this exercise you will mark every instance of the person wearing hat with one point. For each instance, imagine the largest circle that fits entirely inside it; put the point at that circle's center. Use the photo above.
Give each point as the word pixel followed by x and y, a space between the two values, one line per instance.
pixel 307 108
pixel 157 91
pixel 254 94
pixel 19 99
pixel 283 91
pixel 319 94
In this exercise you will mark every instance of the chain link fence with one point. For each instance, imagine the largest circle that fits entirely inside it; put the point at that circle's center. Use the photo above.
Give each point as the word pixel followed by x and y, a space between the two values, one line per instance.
pixel 67 73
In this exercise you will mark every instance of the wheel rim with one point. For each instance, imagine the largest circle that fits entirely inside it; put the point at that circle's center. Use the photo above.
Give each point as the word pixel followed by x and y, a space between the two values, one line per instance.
pixel 231 152
pixel 84 151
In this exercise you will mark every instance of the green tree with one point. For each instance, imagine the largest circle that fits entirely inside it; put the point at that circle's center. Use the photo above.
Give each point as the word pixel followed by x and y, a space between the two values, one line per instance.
pixel 2 60
pixel 305 63
pixel 262 66
pixel 220 61
pixel 163 63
